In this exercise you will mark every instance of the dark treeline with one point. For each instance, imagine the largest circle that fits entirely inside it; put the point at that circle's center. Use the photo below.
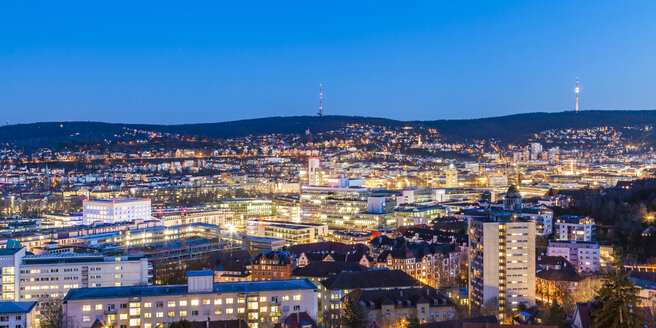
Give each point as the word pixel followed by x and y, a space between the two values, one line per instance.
pixel 622 214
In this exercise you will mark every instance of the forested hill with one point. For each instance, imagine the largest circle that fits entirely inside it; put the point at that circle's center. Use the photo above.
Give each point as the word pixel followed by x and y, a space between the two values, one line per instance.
pixel 511 128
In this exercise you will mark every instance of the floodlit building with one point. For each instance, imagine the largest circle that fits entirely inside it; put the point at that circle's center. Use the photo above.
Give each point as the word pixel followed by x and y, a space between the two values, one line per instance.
pixel 115 210
pixel 259 302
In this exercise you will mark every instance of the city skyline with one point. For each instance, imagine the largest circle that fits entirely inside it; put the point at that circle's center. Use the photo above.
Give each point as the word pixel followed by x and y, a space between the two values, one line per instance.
pixel 214 63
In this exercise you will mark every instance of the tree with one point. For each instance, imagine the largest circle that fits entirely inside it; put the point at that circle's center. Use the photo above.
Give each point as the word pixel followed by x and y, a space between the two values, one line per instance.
pixel 556 315
pixel 618 302
pixel 412 322
pixel 51 314
pixel 352 316
pixel 181 324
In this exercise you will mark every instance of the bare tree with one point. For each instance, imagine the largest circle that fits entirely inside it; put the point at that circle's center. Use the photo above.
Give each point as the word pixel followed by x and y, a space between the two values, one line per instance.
pixel 51 314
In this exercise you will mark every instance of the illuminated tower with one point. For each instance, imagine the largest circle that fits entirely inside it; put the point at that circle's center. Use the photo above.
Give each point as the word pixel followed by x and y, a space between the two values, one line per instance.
pixel 320 100
pixel 576 91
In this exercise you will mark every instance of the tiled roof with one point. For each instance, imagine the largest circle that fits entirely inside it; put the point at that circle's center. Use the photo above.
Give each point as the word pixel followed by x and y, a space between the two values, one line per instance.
pixel 371 279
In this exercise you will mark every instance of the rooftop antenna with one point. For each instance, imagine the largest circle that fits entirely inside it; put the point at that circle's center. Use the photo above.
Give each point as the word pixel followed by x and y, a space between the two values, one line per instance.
pixel 320 100
pixel 576 91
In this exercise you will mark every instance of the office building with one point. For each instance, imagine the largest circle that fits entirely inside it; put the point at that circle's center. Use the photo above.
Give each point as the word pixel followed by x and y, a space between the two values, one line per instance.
pixel 451 179
pixel 293 233
pixel 260 303
pixel 502 257
pixel 115 210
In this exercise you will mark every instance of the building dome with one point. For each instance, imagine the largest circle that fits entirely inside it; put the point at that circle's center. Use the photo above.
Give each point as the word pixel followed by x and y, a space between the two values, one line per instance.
pixel 513 192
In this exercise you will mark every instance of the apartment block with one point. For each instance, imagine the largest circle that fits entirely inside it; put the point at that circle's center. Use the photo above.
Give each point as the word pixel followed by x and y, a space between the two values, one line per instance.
pixel 260 303
pixel 502 257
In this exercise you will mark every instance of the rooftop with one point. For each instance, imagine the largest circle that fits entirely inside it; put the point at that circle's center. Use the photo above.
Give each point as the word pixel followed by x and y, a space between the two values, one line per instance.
pixel 164 290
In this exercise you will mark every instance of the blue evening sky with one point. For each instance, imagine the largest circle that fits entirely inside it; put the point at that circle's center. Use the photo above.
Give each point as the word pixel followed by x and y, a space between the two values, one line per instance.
pixel 188 61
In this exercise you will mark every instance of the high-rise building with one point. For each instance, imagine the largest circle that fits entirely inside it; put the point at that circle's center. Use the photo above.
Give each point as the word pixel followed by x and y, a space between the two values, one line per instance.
pixel 502 262
pixel 451 177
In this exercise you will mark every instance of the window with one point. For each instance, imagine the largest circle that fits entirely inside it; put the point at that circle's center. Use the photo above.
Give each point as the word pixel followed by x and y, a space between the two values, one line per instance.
pixel 171 304
pixel 159 314
pixel 147 315
pixel 98 306
pixel 183 313
pixel 217 301
pixel 86 318
pixel 285 298
pixel 194 302
pixel 171 314
pixel 206 302
pixel 229 311
pixel 148 304
pixel 297 297
pixel 229 301
pixel 123 316
pixel 86 308
pixel 183 303
pixel 241 310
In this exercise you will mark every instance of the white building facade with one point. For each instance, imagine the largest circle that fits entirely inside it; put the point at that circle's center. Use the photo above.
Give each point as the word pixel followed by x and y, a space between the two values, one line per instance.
pixel 30 277
pixel 583 255
pixel 116 210
pixel 260 303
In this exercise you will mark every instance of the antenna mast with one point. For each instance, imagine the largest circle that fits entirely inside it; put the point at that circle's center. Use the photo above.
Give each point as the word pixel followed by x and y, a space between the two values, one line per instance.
pixel 576 91
pixel 320 100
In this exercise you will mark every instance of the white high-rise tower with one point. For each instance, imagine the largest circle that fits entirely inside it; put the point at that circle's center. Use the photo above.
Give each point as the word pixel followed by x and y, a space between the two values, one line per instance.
pixel 576 91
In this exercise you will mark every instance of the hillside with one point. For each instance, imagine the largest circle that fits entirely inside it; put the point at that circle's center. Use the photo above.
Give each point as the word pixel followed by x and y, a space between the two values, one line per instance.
pixel 510 128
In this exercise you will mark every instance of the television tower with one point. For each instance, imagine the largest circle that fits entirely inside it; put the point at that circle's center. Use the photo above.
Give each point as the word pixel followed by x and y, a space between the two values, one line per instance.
pixel 320 101
pixel 576 91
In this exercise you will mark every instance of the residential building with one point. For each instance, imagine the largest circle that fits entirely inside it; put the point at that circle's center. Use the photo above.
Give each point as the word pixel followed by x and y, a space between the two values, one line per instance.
pixel 584 255
pixel 335 288
pixel 115 210
pixel 575 228
pixel 231 266
pixel 390 306
pixel 260 303
pixel 502 257
pixel 27 277
pixel 432 264
pixel 273 265
pixel 18 314
pixel 293 233
pixel 555 279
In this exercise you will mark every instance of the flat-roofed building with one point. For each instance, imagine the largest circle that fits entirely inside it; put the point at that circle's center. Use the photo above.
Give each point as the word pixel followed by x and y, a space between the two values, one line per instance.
pixel 575 228
pixel 30 277
pixel 502 257
pixel 584 255
pixel 115 210
pixel 258 302
pixel 292 232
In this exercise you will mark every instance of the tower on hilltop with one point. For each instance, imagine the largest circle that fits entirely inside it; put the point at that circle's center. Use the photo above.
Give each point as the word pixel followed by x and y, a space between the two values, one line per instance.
pixel 576 91
pixel 320 113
